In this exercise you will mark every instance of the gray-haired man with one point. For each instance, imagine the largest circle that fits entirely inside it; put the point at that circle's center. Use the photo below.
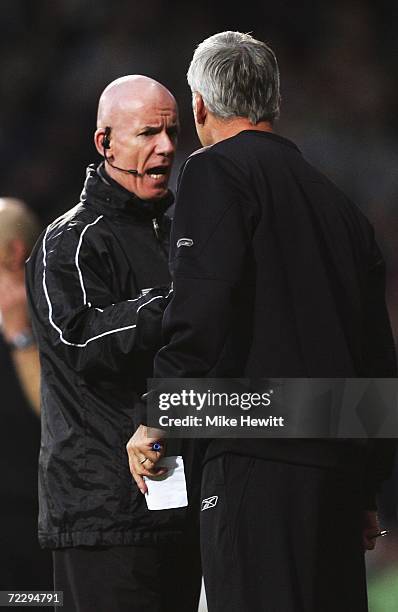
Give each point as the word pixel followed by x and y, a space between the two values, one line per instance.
pixel 261 290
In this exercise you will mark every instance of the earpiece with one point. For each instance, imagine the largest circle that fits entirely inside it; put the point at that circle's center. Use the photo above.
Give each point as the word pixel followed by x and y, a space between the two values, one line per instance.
pixel 105 141
pixel 106 144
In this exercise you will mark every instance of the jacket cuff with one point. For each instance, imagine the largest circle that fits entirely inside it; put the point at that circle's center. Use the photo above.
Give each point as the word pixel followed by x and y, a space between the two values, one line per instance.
pixel 140 411
pixel 368 500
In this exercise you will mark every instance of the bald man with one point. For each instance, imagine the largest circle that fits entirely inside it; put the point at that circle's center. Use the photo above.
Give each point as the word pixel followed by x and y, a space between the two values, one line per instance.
pixel 98 284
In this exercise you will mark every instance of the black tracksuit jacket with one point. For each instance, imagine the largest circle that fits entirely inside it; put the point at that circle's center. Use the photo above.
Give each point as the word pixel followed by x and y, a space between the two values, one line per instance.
pixel 97 284
pixel 276 275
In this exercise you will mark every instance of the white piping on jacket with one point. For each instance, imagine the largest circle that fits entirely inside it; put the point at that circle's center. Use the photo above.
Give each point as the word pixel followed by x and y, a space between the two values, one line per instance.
pixel 50 308
pixel 77 257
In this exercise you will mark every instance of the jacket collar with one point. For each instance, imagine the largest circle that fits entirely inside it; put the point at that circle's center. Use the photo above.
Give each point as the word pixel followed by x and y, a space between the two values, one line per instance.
pixel 271 136
pixel 106 194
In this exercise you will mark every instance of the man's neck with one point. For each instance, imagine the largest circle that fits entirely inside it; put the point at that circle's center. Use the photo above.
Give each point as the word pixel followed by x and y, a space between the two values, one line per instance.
pixel 221 129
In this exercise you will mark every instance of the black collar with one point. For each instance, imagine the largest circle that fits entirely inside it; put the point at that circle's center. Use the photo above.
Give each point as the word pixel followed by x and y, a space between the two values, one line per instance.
pixel 106 194
pixel 271 136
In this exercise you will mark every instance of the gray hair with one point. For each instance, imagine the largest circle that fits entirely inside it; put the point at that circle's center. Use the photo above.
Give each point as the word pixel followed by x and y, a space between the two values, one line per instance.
pixel 237 76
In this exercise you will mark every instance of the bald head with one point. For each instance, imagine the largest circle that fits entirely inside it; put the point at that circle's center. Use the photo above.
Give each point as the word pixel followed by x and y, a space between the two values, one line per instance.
pixel 17 222
pixel 139 118
pixel 128 95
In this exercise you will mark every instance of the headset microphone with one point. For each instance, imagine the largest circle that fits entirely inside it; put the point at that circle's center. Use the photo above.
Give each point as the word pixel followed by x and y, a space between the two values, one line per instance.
pixel 105 145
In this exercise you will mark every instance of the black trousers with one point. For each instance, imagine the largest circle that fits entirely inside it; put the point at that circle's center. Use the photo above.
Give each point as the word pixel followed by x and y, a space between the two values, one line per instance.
pixel 280 538
pixel 129 578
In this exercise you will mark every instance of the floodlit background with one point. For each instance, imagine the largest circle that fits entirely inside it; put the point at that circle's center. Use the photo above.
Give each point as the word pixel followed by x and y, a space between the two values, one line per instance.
pixel 338 62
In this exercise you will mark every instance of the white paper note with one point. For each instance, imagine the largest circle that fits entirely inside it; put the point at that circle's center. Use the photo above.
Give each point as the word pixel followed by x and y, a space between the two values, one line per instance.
pixel 170 490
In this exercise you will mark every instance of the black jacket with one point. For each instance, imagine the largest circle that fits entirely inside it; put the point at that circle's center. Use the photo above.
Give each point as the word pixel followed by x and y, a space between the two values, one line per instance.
pixel 276 274
pixel 98 283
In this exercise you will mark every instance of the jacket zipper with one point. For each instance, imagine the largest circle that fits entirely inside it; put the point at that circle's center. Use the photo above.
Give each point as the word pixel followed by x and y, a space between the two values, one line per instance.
pixel 156 228
pixel 156 231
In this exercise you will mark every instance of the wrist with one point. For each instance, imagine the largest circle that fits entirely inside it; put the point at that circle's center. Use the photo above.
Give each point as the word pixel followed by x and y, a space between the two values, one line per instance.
pixel 20 340
pixel 14 321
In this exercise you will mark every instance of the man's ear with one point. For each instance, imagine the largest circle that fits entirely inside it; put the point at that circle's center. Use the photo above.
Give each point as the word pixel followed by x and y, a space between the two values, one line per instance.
pixel 98 138
pixel 199 109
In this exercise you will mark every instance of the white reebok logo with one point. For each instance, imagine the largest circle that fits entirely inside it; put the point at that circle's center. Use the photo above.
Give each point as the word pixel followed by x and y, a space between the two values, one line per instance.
pixel 209 502
pixel 188 242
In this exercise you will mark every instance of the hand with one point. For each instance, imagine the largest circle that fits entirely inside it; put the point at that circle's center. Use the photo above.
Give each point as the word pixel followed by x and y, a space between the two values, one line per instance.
pixel 142 459
pixel 370 528
pixel 13 303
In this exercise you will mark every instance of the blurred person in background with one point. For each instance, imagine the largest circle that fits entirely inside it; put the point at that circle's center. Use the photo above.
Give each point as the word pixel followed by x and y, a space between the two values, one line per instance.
pixel 23 564
pixel 98 283
pixel 276 274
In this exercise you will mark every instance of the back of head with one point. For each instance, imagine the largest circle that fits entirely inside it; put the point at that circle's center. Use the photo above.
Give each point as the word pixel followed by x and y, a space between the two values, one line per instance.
pixel 17 221
pixel 237 76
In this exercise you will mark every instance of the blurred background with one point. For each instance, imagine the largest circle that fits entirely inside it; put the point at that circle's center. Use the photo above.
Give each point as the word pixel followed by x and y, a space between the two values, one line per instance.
pixel 338 63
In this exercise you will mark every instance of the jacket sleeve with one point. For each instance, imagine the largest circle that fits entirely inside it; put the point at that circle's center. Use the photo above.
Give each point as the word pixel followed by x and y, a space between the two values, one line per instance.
pixel 378 467
pixel 75 308
pixel 378 343
pixel 379 361
pixel 210 245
